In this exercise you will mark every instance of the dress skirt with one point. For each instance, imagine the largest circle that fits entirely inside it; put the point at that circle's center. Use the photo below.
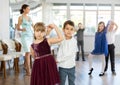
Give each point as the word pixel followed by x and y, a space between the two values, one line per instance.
pixel 44 72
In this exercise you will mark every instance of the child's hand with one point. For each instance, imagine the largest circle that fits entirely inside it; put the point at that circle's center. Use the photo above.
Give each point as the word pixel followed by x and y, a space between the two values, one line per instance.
pixel 57 62
pixel 51 26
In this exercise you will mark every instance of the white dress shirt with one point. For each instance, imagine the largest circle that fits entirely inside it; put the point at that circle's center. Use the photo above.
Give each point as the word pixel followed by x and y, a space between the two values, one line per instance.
pixel 111 36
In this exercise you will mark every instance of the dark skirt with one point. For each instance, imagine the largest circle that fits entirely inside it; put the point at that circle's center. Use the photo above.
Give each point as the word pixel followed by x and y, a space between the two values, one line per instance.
pixel 44 72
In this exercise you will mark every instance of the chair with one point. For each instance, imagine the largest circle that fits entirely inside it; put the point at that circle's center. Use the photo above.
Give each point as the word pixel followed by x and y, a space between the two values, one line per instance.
pixel 4 57
pixel 14 49
pixel 18 47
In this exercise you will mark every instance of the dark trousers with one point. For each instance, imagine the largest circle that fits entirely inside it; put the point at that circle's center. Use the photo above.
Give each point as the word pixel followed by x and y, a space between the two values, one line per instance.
pixel 80 44
pixel 111 54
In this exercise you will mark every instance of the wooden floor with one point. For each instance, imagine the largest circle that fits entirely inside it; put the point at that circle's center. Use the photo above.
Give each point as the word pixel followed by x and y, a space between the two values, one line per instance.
pixel 82 77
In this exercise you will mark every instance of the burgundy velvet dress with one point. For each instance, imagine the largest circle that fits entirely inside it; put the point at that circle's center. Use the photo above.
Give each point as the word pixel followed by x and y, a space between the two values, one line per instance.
pixel 44 71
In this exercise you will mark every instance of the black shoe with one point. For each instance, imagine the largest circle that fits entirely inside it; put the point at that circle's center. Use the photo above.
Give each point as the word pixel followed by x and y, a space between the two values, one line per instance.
pixel 105 70
pixel 102 74
pixel 77 59
pixel 113 72
pixel 90 71
pixel 83 59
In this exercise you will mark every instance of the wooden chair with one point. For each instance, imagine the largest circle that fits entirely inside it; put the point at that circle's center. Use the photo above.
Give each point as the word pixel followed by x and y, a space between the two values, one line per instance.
pixel 4 57
pixel 14 49
pixel 18 47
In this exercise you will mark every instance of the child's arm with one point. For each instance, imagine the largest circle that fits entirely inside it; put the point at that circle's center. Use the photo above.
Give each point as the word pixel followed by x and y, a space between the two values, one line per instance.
pixel 59 37
pixel 112 26
pixel 32 52
pixel 116 26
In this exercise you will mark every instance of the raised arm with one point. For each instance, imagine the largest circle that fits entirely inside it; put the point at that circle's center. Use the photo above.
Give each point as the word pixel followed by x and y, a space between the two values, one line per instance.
pixel 116 26
pixel 59 37
pixel 112 26
pixel 107 26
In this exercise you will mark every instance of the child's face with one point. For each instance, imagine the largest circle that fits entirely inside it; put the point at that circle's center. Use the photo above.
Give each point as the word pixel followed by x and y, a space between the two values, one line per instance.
pixel 39 34
pixel 80 25
pixel 68 31
pixel 101 27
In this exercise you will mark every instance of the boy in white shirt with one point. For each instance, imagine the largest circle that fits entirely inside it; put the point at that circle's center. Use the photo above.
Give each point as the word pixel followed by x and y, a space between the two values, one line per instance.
pixel 67 53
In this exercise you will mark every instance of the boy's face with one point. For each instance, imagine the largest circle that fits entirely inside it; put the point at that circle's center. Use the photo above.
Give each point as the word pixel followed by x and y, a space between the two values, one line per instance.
pixel 80 25
pixel 68 31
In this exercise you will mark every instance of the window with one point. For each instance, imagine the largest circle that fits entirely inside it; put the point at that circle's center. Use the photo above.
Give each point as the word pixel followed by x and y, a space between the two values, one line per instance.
pixel 76 13
pixel 90 18
pixel 60 14
pixel 116 17
pixel 104 12
pixel 36 14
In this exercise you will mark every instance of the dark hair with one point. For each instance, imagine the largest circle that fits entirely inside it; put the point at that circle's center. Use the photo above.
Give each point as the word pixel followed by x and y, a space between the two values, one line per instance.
pixel 24 6
pixel 79 23
pixel 68 22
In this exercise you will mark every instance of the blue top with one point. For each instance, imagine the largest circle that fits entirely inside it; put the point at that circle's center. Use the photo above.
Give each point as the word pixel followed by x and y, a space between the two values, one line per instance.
pixel 26 36
pixel 27 25
pixel 100 46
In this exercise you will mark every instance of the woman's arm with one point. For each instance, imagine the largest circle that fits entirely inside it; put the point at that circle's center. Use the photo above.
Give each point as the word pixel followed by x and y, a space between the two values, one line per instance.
pixel 59 35
pixel 19 24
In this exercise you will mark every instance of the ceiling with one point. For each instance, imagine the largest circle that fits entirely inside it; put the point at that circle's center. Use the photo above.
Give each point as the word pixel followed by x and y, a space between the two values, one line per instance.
pixel 16 4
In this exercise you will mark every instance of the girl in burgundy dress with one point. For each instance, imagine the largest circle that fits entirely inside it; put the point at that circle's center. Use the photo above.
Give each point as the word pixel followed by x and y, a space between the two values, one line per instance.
pixel 44 71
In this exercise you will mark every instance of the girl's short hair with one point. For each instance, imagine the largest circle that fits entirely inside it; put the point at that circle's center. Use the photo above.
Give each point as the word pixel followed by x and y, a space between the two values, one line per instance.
pixel 39 27
pixel 68 22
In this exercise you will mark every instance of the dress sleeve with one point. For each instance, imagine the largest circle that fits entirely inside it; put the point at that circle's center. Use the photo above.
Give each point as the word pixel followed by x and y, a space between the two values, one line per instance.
pixel 104 45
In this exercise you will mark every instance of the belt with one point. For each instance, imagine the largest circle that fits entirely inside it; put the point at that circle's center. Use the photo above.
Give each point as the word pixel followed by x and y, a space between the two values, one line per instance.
pixel 42 56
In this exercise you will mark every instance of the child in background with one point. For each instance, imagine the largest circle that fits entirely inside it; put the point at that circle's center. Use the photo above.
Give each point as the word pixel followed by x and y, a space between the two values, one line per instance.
pixel 112 28
pixel 80 41
pixel 100 47
pixel 66 54
pixel 44 71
